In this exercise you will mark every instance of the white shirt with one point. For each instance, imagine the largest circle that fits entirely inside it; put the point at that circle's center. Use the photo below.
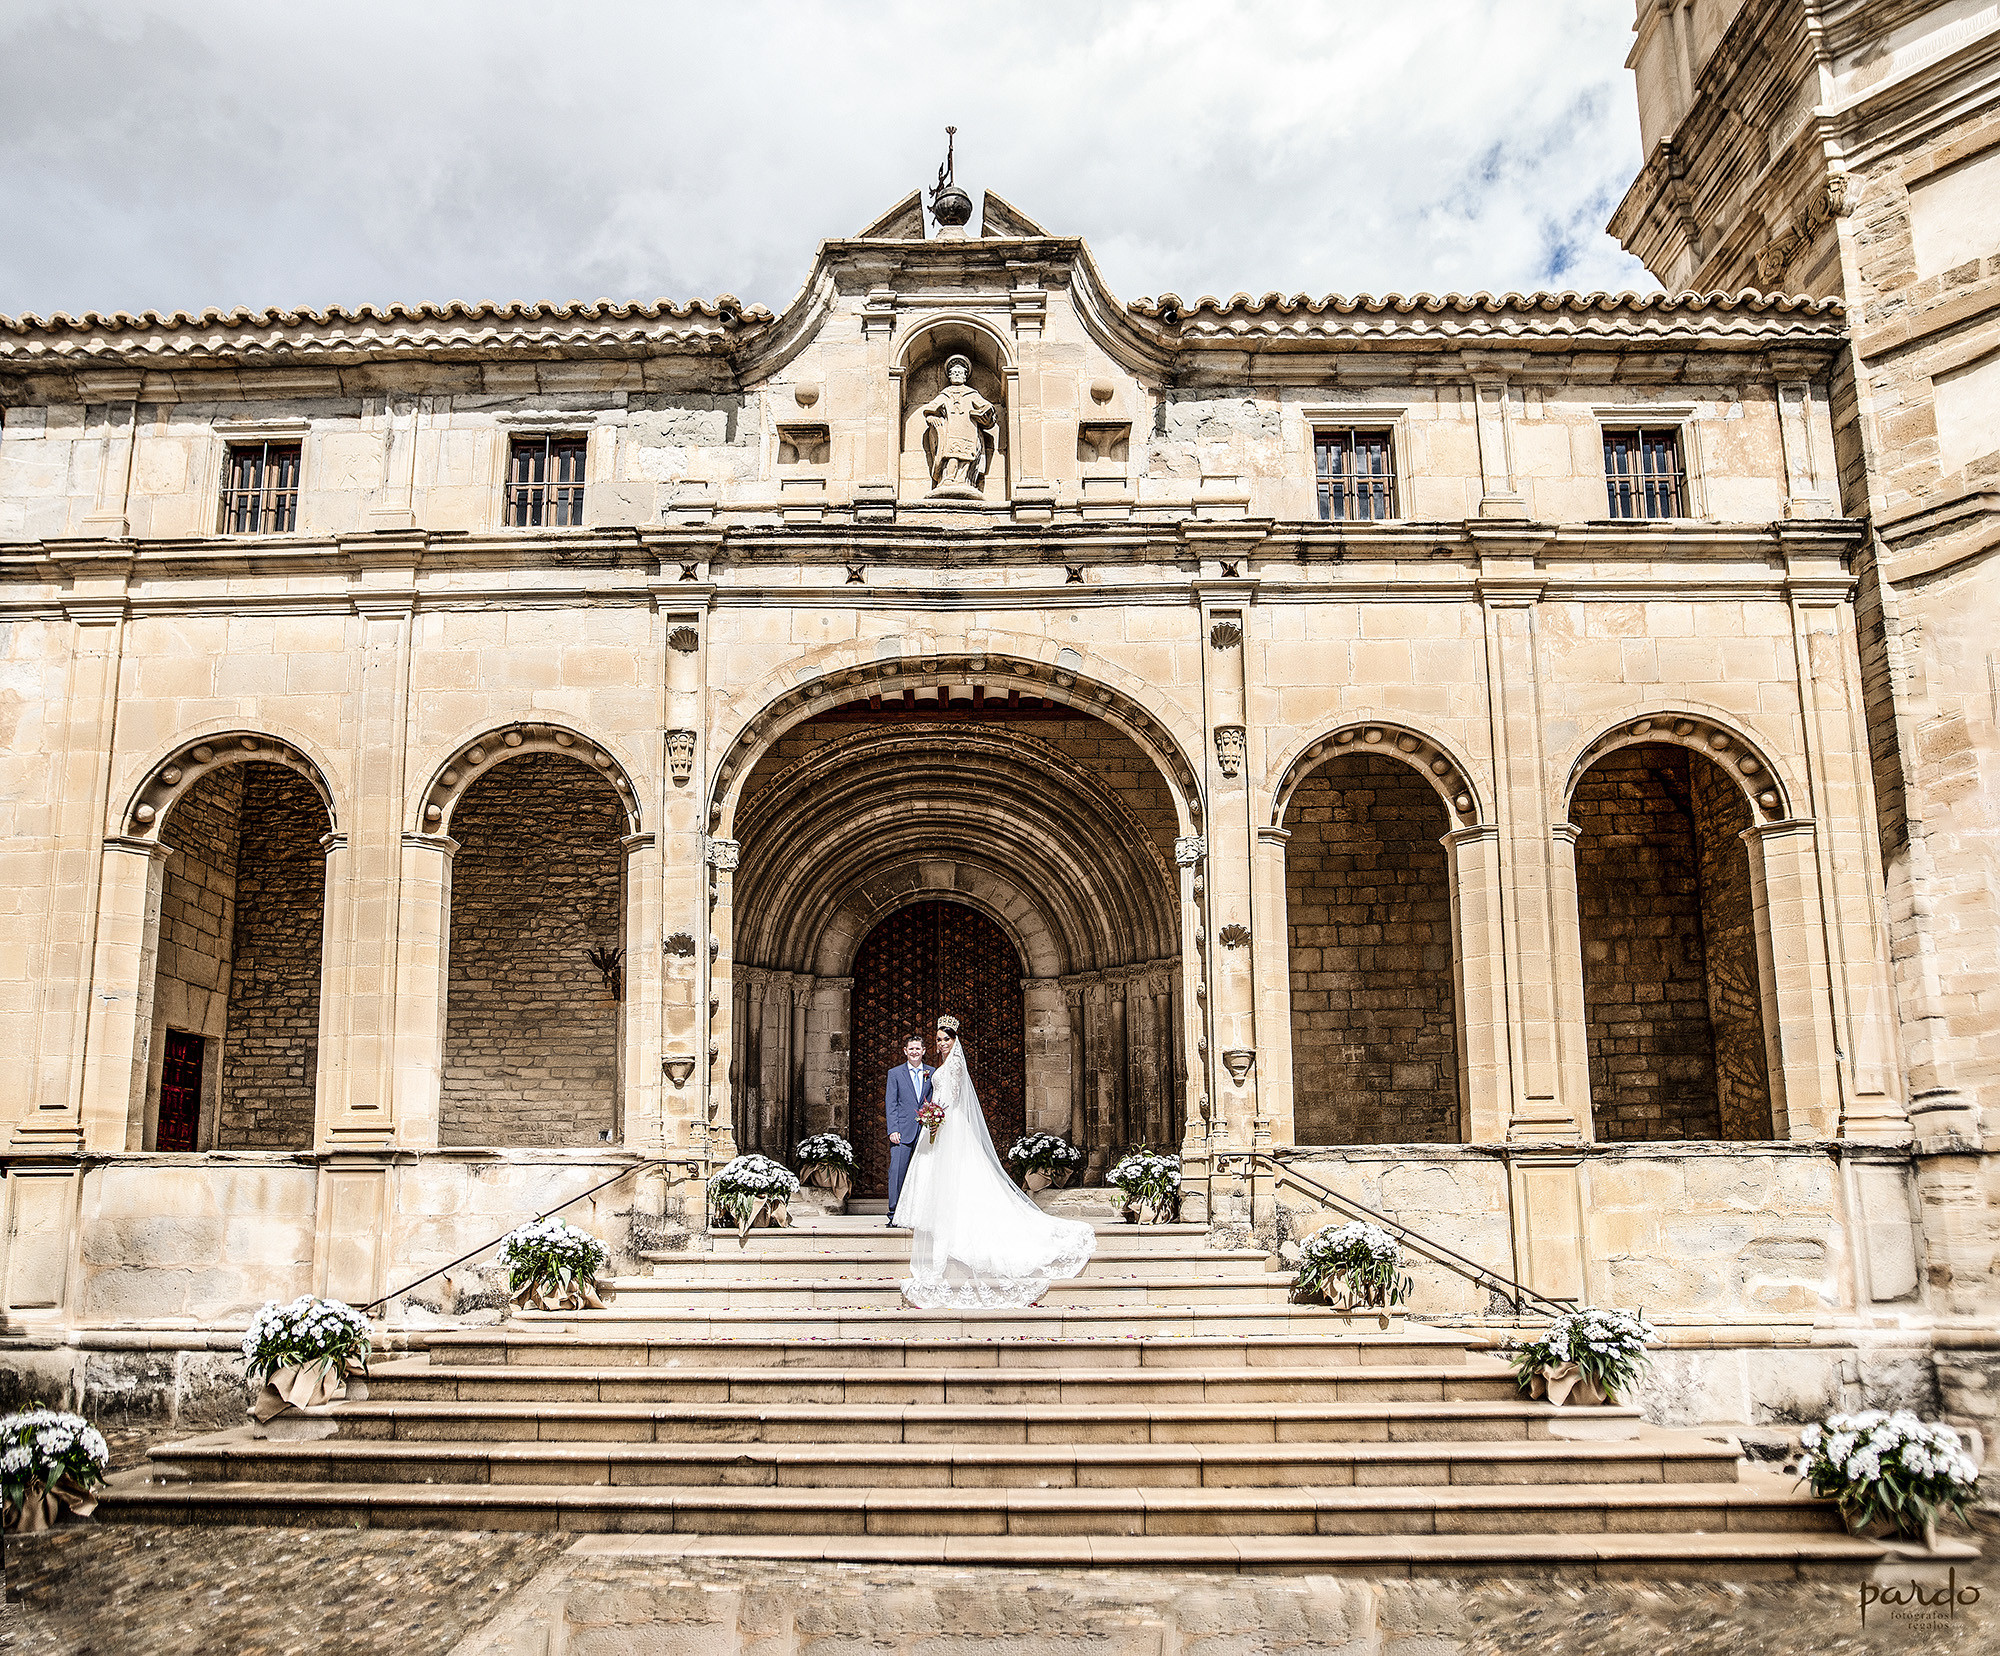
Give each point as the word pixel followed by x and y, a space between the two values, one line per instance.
pixel 916 1078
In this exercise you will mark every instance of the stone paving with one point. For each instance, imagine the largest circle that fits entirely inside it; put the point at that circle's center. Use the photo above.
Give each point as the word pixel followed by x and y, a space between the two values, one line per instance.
pixel 96 1590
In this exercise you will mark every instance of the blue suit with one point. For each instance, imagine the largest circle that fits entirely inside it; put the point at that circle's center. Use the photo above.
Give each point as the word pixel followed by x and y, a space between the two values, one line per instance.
pixel 899 1108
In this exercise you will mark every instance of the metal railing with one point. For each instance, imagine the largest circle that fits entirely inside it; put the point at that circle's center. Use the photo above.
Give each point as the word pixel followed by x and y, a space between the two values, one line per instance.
pixel 1515 1293
pixel 581 1195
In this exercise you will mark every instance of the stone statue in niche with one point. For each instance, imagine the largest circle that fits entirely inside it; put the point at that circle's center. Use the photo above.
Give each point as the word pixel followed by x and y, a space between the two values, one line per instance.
pixel 961 434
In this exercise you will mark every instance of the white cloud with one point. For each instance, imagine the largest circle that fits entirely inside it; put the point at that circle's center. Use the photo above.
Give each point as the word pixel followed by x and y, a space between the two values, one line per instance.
pixel 161 155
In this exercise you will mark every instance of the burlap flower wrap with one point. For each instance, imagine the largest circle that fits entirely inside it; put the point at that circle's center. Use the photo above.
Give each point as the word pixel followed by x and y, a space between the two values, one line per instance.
pixel 50 1465
pixel 1584 1358
pixel 1565 1383
pixel 305 1353
pixel 553 1266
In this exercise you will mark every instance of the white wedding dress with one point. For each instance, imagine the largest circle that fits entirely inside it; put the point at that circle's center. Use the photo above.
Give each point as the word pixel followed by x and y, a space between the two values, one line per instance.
pixel 980 1243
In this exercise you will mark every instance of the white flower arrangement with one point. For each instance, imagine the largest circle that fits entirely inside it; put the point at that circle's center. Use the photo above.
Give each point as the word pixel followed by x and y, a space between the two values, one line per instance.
pixel 826 1150
pixel 552 1265
pixel 1151 1182
pixel 308 1333
pixel 1891 1469
pixel 1044 1152
pixel 748 1183
pixel 49 1461
pixel 1604 1349
pixel 1353 1264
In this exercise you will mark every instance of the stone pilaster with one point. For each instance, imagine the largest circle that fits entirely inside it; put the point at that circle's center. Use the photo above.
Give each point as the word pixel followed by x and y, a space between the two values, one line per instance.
pixel 1799 1037
pixel 1479 957
pixel 121 1005
pixel 423 983
pixel 1239 1115
pixel 1271 945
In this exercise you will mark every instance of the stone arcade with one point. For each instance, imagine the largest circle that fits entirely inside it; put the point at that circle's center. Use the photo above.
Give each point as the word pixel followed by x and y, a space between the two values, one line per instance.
pixel 457 752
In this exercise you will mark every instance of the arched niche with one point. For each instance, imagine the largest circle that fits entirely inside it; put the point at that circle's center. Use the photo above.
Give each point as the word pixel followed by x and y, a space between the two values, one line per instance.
pixel 1443 770
pixel 1748 767
pixel 920 373
pixel 189 762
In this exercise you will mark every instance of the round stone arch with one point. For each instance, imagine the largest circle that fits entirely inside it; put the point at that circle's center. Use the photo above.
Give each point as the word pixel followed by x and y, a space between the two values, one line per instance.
pixel 785 700
pixel 472 759
pixel 1709 734
pixel 1444 770
pixel 1006 902
pixel 172 773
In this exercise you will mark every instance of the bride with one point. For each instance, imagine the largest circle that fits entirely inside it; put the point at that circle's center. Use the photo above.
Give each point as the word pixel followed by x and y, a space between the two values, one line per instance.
pixel 979 1242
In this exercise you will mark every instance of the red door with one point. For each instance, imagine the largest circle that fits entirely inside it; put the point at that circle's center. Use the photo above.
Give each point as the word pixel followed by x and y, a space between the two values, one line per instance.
pixel 927 959
pixel 180 1092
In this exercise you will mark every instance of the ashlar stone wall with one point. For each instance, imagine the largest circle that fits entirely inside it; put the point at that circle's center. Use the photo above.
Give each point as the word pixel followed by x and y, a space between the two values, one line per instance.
pixel 1373 1014
pixel 197 928
pixel 531 1037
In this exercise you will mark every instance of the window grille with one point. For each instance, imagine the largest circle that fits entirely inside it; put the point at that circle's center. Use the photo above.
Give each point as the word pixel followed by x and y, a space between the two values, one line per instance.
pixel 1642 473
pixel 545 483
pixel 1357 475
pixel 180 1092
pixel 260 489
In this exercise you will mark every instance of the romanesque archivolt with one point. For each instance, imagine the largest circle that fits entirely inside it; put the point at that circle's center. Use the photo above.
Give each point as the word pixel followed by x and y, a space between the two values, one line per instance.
pixel 1444 772
pixel 1707 736
pixel 498 746
pixel 187 765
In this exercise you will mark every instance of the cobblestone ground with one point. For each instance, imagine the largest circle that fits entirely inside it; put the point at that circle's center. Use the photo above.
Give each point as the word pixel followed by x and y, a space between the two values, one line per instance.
pixel 95 1590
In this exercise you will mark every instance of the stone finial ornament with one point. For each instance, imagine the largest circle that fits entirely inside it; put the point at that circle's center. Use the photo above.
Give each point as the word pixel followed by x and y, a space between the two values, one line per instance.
pixel 680 756
pixel 1229 749
pixel 950 205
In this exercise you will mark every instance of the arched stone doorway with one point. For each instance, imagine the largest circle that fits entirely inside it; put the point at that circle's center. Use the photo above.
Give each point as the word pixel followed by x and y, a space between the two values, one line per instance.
pixel 924 960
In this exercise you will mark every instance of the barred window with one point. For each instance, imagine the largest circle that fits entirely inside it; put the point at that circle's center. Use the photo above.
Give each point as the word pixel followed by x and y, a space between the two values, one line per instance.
pixel 260 489
pixel 1357 475
pixel 1642 472
pixel 545 483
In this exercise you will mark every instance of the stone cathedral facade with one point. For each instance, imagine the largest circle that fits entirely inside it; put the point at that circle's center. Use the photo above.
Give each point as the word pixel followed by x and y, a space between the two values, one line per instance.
pixel 456 753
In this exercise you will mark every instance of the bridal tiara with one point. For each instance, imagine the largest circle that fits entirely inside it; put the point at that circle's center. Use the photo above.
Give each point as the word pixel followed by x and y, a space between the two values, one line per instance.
pixel 948 1025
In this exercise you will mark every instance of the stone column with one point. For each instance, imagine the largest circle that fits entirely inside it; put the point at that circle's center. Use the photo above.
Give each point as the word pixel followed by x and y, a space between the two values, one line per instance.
pixel 423 987
pixel 1272 948
pixel 1119 1066
pixel 720 1134
pixel 121 1010
pixel 1572 1023
pixel 827 1036
pixel 642 1111
pixel 795 1060
pixel 1079 1061
pixel 1509 593
pixel 1240 1111
pixel 1848 852
pixel 1049 1104
pixel 53 1123
pixel 1479 961
pixel 1799 1036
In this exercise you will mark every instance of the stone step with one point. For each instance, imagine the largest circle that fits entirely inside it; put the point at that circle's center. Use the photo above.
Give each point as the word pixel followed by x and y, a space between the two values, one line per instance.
pixel 1066 1322
pixel 1763 1508
pixel 853 1340
pixel 1654 1457
pixel 892 1264
pixel 874 1291
pixel 867 1234
pixel 1479 1380
pixel 455 1421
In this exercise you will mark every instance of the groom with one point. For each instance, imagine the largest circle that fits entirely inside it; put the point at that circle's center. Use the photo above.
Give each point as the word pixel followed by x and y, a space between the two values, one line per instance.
pixel 909 1086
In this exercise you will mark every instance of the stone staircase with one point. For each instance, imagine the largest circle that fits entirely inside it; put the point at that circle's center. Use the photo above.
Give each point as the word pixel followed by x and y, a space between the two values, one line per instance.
pixel 771 1397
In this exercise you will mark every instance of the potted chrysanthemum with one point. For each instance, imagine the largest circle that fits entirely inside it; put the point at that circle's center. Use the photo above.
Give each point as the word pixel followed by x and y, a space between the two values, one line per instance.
pixel 1355 1266
pixel 1585 1356
pixel 1044 1159
pixel 1152 1186
pixel 311 1352
pixel 826 1161
pixel 553 1266
pixel 50 1463
pixel 753 1191
pixel 1891 1473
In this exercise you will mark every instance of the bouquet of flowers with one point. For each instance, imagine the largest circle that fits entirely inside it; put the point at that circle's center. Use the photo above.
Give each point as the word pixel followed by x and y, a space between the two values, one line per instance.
pixel 1044 1159
pixel 826 1151
pixel 553 1266
pixel 1596 1354
pixel 930 1114
pixel 752 1188
pixel 1152 1186
pixel 1352 1264
pixel 1889 1470
pixel 49 1462
pixel 304 1352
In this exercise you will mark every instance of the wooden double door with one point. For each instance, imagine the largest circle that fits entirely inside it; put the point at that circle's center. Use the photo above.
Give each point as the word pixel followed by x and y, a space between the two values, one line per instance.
pixel 925 960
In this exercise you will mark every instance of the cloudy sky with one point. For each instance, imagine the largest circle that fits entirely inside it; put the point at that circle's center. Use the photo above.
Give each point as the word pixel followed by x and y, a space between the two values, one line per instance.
pixel 179 153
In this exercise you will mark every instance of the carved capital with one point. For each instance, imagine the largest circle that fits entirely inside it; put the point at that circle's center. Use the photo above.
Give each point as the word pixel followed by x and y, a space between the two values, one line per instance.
pixel 722 853
pixel 1229 748
pixel 1189 850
